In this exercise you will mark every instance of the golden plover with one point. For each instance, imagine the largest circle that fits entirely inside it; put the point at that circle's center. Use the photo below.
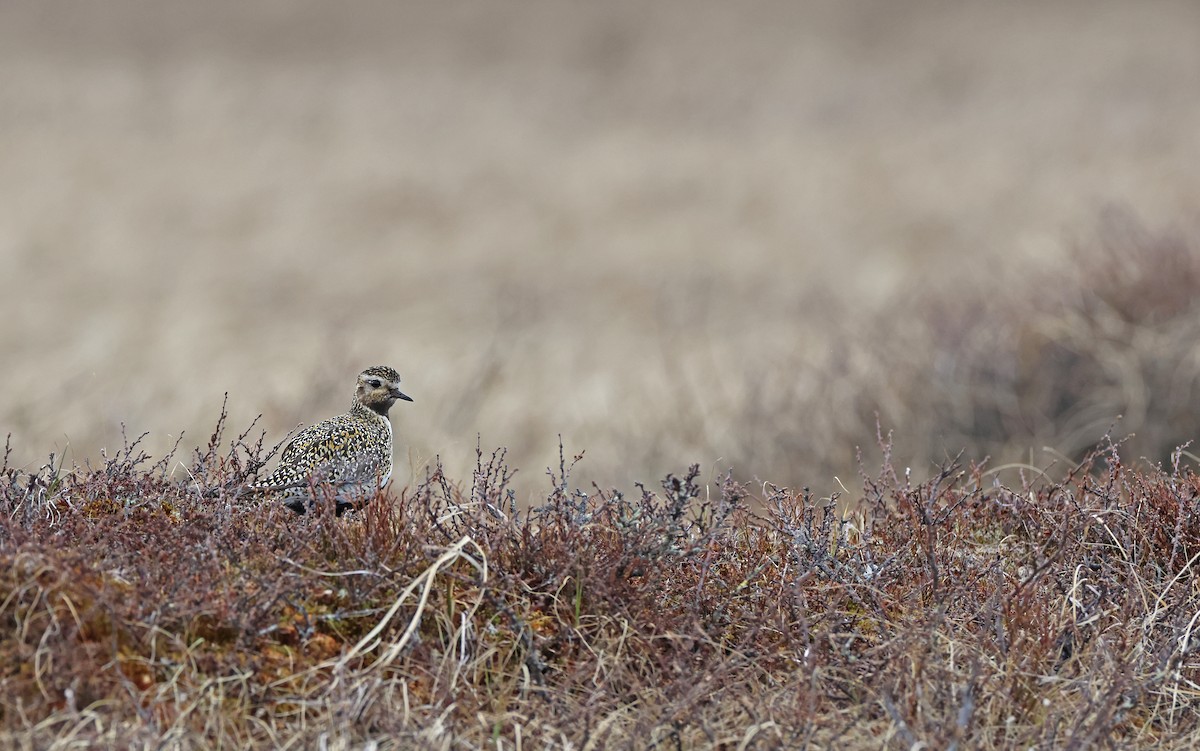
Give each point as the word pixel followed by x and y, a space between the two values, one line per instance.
pixel 351 451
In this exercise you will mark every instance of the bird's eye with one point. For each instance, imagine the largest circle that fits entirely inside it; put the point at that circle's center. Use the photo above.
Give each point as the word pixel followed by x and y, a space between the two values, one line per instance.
pixel 374 383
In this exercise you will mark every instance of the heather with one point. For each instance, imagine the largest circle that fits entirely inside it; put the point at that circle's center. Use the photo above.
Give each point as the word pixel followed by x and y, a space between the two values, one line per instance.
pixel 979 608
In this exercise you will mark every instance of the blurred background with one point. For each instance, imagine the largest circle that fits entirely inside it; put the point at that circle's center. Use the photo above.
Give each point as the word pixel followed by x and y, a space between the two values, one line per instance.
pixel 675 232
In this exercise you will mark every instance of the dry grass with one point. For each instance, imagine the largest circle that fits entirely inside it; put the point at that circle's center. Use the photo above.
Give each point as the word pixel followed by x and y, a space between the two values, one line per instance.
pixel 1019 367
pixel 636 227
pixel 959 612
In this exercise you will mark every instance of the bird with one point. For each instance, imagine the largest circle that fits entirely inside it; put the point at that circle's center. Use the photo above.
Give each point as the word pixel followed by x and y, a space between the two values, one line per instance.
pixel 352 452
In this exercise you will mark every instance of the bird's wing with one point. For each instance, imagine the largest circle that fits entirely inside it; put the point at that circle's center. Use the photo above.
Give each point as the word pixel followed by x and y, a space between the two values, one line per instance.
pixel 328 450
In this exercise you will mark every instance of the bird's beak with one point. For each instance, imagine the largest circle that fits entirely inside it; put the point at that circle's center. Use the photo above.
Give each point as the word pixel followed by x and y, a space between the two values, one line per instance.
pixel 398 394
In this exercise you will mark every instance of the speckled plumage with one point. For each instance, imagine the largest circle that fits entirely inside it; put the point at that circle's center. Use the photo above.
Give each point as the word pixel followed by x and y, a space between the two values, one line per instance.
pixel 352 449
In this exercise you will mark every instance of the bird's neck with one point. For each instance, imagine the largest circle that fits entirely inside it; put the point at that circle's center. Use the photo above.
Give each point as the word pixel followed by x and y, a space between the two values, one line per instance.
pixel 374 411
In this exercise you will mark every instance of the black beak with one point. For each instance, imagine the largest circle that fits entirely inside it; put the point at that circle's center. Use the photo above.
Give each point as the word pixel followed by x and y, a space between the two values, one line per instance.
pixel 398 394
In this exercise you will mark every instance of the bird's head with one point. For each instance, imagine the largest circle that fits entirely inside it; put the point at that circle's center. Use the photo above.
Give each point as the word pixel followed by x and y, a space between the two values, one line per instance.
pixel 379 388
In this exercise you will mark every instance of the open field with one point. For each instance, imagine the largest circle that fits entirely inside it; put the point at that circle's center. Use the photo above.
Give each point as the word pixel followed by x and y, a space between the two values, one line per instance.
pixel 744 243
pixel 654 231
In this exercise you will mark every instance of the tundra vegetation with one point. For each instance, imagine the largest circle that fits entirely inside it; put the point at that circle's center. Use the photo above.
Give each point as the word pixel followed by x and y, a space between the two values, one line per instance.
pixel 146 602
